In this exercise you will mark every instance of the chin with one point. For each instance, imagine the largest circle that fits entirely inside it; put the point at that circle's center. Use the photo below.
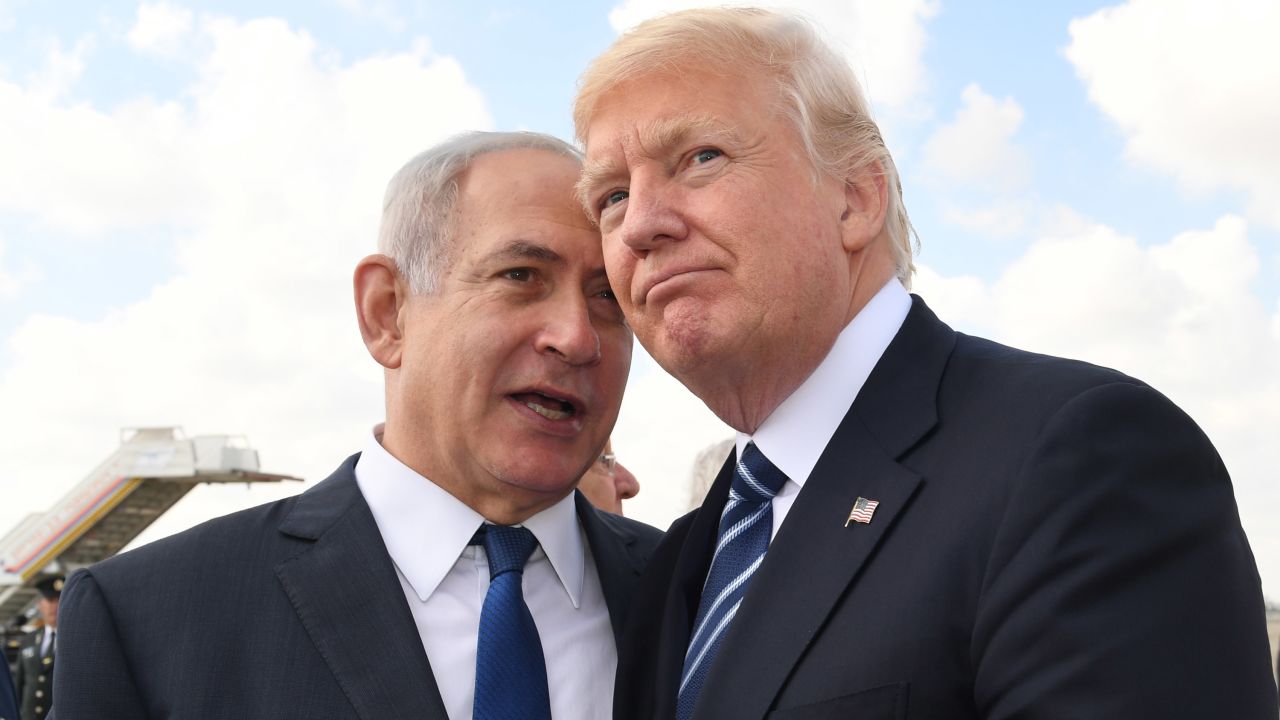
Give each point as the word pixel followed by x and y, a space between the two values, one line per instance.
pixel 550 475
pixel 683 348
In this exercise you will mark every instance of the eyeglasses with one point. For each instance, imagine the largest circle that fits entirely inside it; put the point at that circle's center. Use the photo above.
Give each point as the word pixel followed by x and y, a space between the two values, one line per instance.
pixel 607 460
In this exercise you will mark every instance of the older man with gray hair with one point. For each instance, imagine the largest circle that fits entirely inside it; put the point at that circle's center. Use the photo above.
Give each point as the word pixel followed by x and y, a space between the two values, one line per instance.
pixel 449 570
pixel 914 523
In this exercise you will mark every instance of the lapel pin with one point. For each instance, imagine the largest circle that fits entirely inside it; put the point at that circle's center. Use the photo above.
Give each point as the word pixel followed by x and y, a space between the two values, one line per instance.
pixel 862 511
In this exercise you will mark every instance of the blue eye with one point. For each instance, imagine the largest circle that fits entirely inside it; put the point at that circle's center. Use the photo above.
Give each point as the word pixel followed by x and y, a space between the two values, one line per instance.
pixel 707 155
pixel 615 197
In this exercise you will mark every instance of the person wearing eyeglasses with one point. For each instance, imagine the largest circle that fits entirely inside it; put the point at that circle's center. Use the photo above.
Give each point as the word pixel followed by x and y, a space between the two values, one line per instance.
pixel 608 482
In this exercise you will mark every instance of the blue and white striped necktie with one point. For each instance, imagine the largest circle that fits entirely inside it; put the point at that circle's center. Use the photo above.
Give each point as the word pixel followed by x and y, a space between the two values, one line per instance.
pixel 745 527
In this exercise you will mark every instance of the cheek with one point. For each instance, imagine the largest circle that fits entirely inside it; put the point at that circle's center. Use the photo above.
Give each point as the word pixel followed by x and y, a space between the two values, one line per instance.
pixel 617 359
pixel 620 265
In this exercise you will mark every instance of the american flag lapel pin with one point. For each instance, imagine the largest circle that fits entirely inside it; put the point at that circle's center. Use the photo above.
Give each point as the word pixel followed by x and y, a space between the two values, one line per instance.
pixel 862 511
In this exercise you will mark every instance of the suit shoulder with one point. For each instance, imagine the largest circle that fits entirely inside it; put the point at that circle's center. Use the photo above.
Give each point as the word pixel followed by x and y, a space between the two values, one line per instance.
pixel 646 536
pixel 1014 362
pixel 257 534
pixel 1000 402
pixel 229 536
pixel 1000 373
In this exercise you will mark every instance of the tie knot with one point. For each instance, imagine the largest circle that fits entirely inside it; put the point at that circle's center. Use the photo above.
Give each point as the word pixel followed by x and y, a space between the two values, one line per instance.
pixel 507 547
pixel 756 479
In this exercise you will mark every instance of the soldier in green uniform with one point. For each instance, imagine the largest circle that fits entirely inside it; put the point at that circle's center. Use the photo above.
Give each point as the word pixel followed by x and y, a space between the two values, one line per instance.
pixel 34 674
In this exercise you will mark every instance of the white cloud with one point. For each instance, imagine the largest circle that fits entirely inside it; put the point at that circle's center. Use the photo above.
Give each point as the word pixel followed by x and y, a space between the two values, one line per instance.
pixel 268 109
pixel 12 281
pixel 1191 86
pixel 976 149
pixel 884 40
pixel 965 301
pixel 1182 315
pixel 9 285
pixel 161 28
pixel 61 70
pixel 268 176
pixel 660 431
pixel 7 8
pixel 379 11
pixel 1002 219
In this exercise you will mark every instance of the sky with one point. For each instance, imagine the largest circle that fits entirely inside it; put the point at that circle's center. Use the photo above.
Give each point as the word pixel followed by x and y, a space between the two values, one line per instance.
pixel 185 189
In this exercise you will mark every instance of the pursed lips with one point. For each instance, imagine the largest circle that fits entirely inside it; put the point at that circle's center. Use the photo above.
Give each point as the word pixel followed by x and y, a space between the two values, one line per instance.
pixel 658 278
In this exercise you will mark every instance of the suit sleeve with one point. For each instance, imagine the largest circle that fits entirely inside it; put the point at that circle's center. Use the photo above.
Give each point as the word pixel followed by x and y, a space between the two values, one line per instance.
pixel 8 697
pixel 1121 584
pixel 92 677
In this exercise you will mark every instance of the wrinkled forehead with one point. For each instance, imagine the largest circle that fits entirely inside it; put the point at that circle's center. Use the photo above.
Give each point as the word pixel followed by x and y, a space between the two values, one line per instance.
pixel 616 145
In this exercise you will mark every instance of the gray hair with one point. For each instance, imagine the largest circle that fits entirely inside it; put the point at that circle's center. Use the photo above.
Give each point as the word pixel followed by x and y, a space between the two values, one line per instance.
pixel 819 92
pixel 418 218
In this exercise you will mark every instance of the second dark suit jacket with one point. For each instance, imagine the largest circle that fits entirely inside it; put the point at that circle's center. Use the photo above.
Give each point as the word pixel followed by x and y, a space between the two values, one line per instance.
pixel 8 698
pixel 289 610
pixel 1053 540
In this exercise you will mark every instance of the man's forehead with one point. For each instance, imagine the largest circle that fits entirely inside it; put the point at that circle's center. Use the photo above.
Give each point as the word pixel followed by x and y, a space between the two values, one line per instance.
pixel 649 139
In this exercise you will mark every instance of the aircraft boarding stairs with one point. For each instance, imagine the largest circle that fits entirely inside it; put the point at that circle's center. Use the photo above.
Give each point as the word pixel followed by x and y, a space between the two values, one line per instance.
pixel 152 470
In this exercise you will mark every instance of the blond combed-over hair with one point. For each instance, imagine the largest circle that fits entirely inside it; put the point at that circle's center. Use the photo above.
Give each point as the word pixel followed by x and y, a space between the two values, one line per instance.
pixel 817 89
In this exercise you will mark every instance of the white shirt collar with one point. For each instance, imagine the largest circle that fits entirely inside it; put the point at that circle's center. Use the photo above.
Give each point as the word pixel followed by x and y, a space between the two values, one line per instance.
pixel 426 529
pixel 795 434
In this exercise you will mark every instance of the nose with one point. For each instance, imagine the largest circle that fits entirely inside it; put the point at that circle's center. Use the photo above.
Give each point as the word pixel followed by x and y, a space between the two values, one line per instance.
pixel 567 332
pixel 624 483
pixel 652 214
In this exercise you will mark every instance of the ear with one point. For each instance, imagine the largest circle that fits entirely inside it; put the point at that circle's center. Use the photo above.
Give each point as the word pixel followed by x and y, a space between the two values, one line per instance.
pixel 866 201
pixel 380 295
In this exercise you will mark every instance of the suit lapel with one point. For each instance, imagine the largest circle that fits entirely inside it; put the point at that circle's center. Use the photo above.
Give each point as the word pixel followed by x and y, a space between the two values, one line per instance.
pixel 687 579
pixel 618 563
pixel 346 594
pixel 810 564
pixel 815 558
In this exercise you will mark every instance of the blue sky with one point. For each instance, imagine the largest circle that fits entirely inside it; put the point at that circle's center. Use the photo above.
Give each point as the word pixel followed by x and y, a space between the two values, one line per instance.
pixel 184 188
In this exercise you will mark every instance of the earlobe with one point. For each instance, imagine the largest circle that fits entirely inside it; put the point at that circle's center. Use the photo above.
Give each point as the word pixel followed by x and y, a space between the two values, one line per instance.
pixel 866 199
pixel 380 294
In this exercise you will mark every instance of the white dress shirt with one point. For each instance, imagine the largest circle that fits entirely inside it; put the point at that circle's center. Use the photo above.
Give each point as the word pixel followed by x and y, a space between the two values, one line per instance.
pixel 427 531
pixel 795 434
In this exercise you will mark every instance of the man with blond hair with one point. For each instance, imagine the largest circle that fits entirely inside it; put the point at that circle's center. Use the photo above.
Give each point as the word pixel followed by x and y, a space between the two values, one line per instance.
pixel 914 522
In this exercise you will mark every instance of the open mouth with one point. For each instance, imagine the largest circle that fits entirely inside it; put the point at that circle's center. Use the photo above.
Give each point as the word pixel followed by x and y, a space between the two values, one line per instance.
pixel 548 407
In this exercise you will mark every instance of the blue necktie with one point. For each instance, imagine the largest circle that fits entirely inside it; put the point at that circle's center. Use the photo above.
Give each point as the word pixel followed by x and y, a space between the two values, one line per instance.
pixel 511 674
pixel 745 526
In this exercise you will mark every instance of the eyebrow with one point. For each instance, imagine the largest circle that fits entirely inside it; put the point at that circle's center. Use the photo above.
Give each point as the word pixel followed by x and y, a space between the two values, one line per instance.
pixel 518 250
pixel 661 137
pixel 525 250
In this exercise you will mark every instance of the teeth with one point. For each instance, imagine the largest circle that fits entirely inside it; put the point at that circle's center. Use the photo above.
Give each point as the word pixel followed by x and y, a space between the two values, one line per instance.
pixel 547 412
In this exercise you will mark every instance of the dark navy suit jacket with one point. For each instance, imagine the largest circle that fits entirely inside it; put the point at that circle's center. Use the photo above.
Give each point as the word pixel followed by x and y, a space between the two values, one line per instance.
pixel 289 610
pixel 8 698
pixel 1053 540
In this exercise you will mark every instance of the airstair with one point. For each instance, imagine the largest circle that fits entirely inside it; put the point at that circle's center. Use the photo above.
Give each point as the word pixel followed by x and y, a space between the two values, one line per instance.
pixel 152 470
